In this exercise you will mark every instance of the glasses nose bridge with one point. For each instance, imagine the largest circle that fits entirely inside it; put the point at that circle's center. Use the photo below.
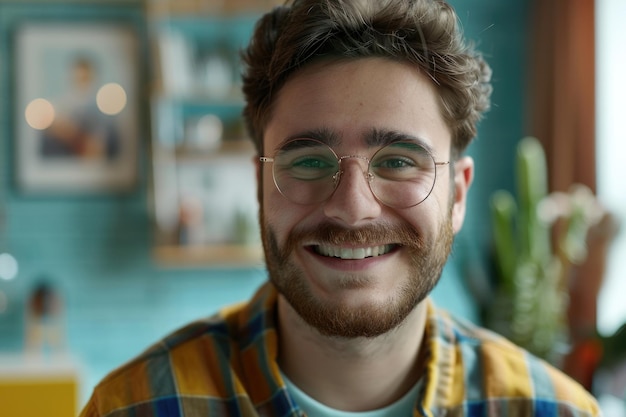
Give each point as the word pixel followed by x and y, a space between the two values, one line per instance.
pixel 358 157
pixel 366 173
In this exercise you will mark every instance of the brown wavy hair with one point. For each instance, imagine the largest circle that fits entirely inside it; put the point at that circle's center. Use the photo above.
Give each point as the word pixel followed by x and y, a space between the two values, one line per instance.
pixel 425 33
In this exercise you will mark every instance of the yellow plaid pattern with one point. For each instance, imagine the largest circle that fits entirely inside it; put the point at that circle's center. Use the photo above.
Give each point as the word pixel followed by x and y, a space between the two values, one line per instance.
pixel 226 366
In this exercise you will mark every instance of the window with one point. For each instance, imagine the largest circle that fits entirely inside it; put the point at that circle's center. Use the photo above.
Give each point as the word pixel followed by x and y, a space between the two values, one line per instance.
pixel 611 151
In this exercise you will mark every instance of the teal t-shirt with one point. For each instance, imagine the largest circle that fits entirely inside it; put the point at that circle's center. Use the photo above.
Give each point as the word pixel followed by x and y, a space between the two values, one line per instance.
pixel 402 408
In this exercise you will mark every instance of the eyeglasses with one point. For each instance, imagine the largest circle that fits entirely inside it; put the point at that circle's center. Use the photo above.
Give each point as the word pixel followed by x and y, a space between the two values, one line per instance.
pixel 400 175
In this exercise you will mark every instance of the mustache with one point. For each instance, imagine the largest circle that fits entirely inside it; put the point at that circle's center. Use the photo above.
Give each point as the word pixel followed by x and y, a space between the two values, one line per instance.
pixel 333 234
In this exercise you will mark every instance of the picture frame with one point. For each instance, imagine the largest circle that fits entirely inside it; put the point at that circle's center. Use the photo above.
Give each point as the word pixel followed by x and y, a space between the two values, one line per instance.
pixel 76 115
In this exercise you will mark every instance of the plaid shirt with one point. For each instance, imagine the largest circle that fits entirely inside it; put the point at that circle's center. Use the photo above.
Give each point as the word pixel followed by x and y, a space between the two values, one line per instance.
pixel 226 366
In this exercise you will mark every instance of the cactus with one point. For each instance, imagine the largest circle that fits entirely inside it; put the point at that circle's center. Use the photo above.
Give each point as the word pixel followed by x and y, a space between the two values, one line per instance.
pixel 530 302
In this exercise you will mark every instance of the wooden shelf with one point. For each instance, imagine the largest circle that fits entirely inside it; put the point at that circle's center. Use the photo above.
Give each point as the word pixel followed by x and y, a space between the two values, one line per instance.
pixel 203 8
pixel 192 175
pixel 209 256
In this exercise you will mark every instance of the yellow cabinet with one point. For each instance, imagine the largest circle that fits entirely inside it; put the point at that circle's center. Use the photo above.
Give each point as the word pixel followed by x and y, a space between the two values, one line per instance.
pixel 36 386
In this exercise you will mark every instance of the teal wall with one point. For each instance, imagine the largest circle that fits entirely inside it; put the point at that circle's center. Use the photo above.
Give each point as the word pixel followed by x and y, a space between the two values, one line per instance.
pixel 96 250
pixel 501 30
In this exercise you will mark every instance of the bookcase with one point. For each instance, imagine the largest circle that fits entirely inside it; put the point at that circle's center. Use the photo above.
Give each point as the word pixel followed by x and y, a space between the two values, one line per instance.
pixel 203 182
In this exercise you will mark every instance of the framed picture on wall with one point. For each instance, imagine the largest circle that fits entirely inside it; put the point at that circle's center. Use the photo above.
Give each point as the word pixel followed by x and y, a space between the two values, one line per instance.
pixel 76 107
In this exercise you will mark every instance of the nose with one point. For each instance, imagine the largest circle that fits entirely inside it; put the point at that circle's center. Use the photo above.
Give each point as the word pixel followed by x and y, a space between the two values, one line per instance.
pixel 352 202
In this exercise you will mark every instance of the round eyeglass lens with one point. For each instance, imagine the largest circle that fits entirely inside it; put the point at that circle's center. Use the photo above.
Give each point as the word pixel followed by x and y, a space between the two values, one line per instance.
pixel 403 174
pixel 304 171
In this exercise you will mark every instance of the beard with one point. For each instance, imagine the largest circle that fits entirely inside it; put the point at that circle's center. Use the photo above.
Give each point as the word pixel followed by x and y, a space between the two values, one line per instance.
pixel 426 262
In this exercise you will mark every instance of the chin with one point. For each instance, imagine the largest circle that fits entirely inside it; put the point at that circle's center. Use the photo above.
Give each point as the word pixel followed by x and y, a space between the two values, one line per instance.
pixel 347 297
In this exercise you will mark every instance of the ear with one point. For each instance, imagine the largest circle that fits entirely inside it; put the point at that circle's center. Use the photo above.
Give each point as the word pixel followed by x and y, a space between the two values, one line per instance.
pixel 463 177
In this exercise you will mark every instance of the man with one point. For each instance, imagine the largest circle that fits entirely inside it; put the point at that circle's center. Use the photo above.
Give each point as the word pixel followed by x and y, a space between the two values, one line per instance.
pixel 81 129
pixel 360 111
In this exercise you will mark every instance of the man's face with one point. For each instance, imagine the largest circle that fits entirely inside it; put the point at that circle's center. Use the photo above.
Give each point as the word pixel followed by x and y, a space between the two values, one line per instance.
pixel 384 260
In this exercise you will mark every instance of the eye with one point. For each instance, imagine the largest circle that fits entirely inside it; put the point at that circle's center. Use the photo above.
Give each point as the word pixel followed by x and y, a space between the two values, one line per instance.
pixel 398 162
pixel 311 162
pixel 396 168
pixel 309 168
pixel 306 166
pixel 401 161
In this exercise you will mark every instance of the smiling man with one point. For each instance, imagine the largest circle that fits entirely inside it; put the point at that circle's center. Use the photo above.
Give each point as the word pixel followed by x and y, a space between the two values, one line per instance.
pixel 360 112
pixel 357 259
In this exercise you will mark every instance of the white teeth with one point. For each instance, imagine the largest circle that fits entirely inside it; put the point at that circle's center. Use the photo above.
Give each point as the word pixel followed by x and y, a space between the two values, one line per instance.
pixel 356 253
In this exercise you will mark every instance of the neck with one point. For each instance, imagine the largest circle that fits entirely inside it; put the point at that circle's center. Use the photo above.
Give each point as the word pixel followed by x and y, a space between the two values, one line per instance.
pixel 351 374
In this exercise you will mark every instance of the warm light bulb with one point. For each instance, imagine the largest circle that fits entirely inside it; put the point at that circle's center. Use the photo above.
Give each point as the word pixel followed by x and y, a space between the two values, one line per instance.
pixel 39 114
pixel 111 99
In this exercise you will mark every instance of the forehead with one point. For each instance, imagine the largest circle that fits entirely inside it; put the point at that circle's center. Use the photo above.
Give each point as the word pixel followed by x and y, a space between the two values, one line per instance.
pixel 347 100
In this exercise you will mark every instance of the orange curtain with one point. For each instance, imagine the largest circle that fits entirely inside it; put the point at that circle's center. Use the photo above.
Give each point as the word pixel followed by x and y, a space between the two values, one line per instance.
pixel 562 111
pixel 563 89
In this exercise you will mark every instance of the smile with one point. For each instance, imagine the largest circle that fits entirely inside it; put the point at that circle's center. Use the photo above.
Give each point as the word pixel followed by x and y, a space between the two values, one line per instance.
pixel 352 253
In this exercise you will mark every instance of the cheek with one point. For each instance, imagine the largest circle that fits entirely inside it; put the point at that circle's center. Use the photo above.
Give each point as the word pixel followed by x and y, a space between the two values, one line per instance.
pixel 428 216
pixel 442 198
pixel 270 197
pixel 278 213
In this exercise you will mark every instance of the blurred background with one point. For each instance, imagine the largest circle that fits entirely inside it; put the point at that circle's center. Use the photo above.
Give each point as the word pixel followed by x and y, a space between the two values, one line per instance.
pixel 127 193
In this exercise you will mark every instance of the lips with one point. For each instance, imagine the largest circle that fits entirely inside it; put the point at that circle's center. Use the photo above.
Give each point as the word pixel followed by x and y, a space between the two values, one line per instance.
pixel 352 253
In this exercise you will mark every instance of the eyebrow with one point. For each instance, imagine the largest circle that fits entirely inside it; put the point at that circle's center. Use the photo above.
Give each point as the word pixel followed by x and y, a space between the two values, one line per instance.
pixel 383 137
pixel 375 138
pixel 323 134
